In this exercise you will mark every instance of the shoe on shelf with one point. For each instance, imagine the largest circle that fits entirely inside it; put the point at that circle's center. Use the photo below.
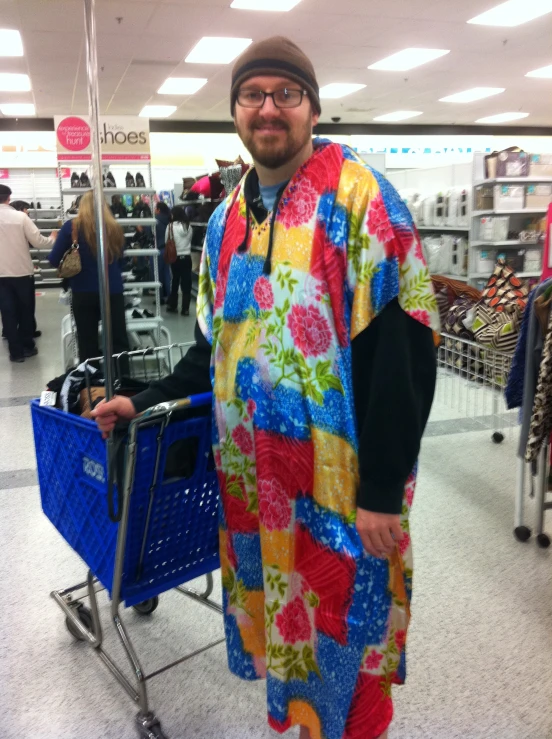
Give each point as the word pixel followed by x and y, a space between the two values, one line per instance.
pixel 148 314
pixel 30 352
pixel 139 180
pixel 110 180
pixel 129 179
pixel 38 205
pixel 137 314
pixel 32 205
pixel 17 359
pixel 75 180
pixel 84 180
pixel 37 334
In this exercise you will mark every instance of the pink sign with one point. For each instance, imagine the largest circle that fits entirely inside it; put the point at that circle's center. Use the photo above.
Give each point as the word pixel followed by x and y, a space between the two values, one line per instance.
pixel 126 157
pixel 4 174
pixel 73 134
pixel 65 172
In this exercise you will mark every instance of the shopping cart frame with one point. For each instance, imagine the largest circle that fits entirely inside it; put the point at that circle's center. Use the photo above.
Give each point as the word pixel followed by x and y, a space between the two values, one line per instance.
pixel 86 625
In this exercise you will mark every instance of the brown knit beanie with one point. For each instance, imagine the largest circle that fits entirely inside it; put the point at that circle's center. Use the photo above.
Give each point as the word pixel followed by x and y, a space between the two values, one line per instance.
pixel 275 56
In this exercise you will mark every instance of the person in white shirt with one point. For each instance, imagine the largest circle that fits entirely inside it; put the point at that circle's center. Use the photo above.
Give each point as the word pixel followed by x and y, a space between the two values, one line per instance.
pixel 181 231
pixel 17 231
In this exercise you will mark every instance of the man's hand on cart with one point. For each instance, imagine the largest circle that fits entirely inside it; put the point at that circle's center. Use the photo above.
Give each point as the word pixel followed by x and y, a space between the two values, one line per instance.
pixel 107 415
pixel 379 532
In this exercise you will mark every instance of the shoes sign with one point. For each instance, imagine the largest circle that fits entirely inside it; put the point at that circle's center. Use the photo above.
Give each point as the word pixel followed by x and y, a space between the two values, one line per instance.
pixel 121 137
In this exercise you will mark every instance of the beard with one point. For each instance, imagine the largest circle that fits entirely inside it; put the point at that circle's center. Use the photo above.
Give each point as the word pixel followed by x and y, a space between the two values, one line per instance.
pixel 274 151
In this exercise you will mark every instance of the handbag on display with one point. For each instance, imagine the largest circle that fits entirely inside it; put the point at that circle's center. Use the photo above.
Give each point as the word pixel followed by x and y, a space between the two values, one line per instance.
pixel 70 265
pixel 169 254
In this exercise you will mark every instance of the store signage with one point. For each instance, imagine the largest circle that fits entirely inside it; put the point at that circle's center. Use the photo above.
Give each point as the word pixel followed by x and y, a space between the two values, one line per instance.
pixel 121 137
pixel 4 174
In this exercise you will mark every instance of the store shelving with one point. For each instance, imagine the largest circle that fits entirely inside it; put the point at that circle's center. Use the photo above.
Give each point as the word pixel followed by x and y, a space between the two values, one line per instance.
pixel 444 229
pixel 503 244
pixel 519 212
pixel 514 181
pixel 111 190
pixel 521 275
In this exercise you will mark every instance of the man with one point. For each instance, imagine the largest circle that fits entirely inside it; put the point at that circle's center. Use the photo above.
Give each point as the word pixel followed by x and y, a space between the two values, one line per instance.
pixel 23 206
pixel 315 309
pixel 16 276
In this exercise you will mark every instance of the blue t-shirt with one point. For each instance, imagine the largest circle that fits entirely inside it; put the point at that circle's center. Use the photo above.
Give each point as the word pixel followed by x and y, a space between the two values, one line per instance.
pixel 268 194
pixel 87 279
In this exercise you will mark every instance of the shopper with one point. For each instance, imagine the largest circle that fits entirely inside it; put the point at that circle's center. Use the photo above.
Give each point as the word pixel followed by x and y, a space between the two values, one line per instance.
pixel 85 285
pixel 315 311
pixel 23 206
pixel 163 218
pixel 182 269
pixel 17 296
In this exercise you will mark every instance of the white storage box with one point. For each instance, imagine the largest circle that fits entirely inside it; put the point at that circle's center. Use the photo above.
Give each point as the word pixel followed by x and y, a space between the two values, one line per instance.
pixel 533 260
pixel 494 228
pixel 509 197
pixel 437 252
pixel 459 257
pixel 439 218
pixel 483 262
pixel 538 196
pixel 452 202
pixel 428 211
pixel 540 165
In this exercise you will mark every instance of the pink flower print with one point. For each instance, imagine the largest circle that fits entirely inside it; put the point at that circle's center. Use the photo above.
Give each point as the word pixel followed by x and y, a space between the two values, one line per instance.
pixel 293 622
pixel 242 439
pixel 300 208
pixel 378 221
pixel 400 639
pixel 218 459
pixel 373 660
pixel 404 543
pixel 251 407
pixel 274 505
pixel 418 253
pixel 422 316
pixel 263 294
pixel 410 495
pixel 310 330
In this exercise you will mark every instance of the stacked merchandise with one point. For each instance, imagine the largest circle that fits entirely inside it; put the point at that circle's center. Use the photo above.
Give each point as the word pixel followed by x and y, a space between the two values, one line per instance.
pixel 446 254
pixel 445 209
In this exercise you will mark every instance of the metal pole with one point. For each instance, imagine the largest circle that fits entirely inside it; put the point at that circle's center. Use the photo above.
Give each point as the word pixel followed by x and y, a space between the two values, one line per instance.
pixel 103 262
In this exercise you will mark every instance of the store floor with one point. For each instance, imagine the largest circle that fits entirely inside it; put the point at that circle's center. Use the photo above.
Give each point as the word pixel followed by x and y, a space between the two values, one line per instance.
pixel 479 665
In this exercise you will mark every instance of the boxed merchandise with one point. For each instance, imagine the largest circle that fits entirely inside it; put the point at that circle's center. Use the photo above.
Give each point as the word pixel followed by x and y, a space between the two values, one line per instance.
pixel 439 219
pixel 540 165
pixel 512 164
pixel 509 197
pixel 494 228
pixel 483 262
pixel 459 257
pixel 514 259
pixel 533 260
pixel 463 216
pixel 484 198
pixel 538 196
pixel 428 211
pixel 437 252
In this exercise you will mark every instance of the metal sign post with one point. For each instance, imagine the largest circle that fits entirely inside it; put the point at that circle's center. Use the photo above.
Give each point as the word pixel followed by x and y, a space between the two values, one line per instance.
pixel 99 201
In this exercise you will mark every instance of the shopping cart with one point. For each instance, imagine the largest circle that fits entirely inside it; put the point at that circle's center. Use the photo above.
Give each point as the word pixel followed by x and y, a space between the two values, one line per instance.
pixel 142 536
pixel 471 379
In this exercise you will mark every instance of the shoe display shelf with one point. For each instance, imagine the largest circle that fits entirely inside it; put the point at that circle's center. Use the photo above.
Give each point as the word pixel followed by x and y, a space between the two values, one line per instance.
pixel 151 326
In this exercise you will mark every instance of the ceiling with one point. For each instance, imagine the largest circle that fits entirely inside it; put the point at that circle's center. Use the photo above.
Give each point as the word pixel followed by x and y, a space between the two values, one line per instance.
pixel 342 37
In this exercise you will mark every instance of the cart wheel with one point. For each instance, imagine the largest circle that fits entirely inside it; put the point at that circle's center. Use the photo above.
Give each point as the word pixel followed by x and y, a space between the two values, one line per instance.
pixel 498 437
pixel 147 606
pixel 149 727
pixel 522 533
pixel 543 541
pixel 85 617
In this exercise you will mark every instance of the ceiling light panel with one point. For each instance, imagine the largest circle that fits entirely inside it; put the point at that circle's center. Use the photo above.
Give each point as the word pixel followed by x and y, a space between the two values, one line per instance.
pixel 217 50
pixel 10 43
pixel 408 59
pixel 14 82
pixel 513 13
pixel 181 85
pixel 274 5
pixel 542 72
pixel 339 89
pixel 475 93
pixel 157 111
pixel 398 115
pixel 17 109
pixel 502 117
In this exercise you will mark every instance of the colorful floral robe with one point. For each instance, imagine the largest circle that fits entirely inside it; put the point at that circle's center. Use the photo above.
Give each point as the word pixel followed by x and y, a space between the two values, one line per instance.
pixel 304 604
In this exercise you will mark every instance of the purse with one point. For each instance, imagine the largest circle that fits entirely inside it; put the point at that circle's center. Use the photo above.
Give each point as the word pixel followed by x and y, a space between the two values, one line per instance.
pixel 169 254
pixel 70 265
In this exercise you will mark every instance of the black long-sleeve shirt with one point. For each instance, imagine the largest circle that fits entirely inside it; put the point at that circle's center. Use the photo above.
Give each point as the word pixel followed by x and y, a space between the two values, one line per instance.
pixel 394 372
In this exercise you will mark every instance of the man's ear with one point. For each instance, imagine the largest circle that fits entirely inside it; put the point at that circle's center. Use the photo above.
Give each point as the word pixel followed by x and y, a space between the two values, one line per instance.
pixel 315 119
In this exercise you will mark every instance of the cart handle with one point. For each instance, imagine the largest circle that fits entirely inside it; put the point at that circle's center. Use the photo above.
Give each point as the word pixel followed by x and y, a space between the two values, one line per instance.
pixel 170 406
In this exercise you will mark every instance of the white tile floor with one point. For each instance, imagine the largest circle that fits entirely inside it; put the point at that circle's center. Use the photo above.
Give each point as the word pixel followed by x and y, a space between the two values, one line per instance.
pixel 479 648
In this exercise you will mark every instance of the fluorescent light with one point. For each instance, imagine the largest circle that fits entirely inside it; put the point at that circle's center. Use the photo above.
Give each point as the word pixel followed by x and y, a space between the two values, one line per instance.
pixel 157 111
pixel 181 85
pixel 543 72
pixel 10 43
pixel 17 109
pixel 217 50
pixel 14 82
pixel 398 115
pixel 339 89
pixel 408 59
pixel 513 13
pixel 469 96
pixel 275 5
pixel 502 117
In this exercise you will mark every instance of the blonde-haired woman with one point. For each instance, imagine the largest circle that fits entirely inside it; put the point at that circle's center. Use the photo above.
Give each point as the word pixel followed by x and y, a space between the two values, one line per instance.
pixel 85 286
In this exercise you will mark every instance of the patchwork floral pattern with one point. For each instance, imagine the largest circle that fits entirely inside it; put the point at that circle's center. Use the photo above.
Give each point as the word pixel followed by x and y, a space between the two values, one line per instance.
pixel 305 606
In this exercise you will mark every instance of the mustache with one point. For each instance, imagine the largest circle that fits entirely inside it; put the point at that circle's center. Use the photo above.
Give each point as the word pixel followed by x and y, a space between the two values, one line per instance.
pixel 274 124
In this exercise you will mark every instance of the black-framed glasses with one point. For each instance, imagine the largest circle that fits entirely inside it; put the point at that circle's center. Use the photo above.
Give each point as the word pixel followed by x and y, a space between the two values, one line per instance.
pixel 284 98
